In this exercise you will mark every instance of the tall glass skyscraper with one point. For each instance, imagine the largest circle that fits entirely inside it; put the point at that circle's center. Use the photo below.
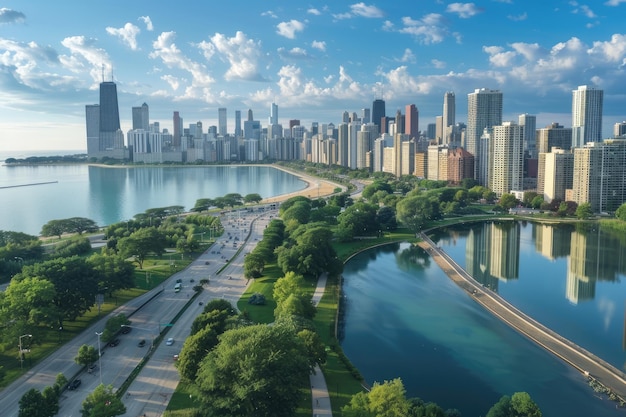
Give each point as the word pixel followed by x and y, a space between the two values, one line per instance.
pixel 109 110
pixel 484 110
pixel 586 115
pixel 378 112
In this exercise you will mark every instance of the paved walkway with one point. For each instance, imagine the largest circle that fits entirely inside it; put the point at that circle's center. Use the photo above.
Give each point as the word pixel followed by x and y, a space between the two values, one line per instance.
pixel 585 362
pixel 319 391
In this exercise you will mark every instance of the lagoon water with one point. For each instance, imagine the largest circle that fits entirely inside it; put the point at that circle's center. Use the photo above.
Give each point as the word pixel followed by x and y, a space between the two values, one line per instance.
pixel 108 195
pixel 405 318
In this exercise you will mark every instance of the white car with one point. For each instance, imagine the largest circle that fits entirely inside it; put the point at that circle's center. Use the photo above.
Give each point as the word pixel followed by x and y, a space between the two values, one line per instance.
pixel 169 341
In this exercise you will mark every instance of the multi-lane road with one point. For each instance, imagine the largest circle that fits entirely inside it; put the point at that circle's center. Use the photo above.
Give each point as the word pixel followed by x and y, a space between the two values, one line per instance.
pixel 150 314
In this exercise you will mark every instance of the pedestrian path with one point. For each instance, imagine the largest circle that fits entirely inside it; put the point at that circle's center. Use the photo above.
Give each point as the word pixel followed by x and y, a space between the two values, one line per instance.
pixel 319 391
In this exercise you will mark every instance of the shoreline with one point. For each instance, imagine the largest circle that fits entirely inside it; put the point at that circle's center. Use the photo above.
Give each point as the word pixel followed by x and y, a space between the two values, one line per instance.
pixel 589 365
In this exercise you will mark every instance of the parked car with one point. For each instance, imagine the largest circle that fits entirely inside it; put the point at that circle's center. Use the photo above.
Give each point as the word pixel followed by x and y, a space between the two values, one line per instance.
pixel 74 384
pixel 114 343
pixel 91 368
pixel 169 341
pixel 126 329
pixel 141 343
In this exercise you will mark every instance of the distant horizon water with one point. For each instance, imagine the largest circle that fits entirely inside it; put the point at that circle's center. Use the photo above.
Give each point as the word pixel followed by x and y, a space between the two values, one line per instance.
pixel 19 154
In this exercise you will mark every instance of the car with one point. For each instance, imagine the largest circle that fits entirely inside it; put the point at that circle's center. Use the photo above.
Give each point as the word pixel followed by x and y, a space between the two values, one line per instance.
pixel 169 341
pixel 126 329
pixel 74 384
pixel 178 281
pixel 91 368
pixel 175 357
pixel 141 343
pixel 114 343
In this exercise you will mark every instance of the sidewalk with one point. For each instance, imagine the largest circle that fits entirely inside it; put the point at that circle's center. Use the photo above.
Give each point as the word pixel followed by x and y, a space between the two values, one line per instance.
pixel 319 391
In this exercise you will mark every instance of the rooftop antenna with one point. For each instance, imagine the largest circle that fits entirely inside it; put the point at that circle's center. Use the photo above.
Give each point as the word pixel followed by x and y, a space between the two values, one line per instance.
pixel 102 72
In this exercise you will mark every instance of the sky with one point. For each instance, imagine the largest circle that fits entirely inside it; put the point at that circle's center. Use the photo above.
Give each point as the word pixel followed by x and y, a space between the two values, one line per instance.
pixel 314 59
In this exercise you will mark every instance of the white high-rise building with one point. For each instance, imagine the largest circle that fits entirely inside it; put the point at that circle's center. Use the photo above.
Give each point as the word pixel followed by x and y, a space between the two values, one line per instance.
pixel 507 158
pixel 586 115
pixel 484 109
pixel 448 118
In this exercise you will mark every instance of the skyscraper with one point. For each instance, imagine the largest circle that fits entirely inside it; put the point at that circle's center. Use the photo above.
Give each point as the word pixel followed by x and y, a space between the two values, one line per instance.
pixel 529 123
pixel 484 110
pixel 449 115
pixel 273 120
pixel 178 129
pixel 141 117
pixel 378 112
pixel 586 115
pixel 222 126
pixel 507 158
pixel 411 121
pixel 110 139
pixel 109 110
pixel 238 132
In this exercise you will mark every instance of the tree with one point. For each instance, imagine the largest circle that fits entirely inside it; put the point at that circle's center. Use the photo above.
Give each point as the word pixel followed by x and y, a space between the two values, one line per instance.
pixel 102 402
pixel 295 304
pixel 519 405
pixel 252 198
pixel 508 201
pixel 291 283
pixel 33 404
pixel 80 225
pixel 53 228
pixel 115 272
pixel 536 202
pixel 383 400
pixel 620 213
pixel 195 348
pixel 358 220
pixel 584 211
pixel 253 265
pixel 256 370
pixel 142 243
pixel 415 212
pixel 386 218
pixel 202 204
pixel 86 355
pixel 314 345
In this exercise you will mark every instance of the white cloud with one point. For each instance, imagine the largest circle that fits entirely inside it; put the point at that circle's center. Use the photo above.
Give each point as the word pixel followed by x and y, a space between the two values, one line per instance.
pixel 321 45
pixel 148 22
pixel 128 34
pixel 388 26
pixel 174 82
pixel 363 10
pixel 166 50
pixel 429 29
pixel 293 53
pixel 519 17
pixel 408 56
pixel 498 57
pixel 614 2
pixel 582 9
pixel 289 29
pixel 11 16
pixel 613 51
pixel 26 64
pixel 438 64
pixel 464 10
pixel 85 55
pixel 270 14
pixel 241 53
pixel 314 12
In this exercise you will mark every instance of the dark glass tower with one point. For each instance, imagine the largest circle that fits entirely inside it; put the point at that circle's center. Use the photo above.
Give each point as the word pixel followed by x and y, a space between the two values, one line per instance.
pixel 109 111
pixel 378 112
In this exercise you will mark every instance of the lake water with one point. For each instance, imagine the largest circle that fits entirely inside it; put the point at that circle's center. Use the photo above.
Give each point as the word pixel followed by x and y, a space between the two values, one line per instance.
pixel 405 318
pixel 108 195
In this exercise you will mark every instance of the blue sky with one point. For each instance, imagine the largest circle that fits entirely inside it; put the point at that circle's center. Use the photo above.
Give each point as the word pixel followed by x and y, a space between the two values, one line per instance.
pixel 314 59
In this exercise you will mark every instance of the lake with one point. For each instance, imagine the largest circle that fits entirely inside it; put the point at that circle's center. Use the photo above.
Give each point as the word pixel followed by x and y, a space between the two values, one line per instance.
pixel 109 195
pixel 405 318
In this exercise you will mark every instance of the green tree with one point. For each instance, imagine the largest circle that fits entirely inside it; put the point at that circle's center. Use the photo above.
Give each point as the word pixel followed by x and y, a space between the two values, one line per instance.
pixel 252 198
pixel 620 213
pixel 115 272
pixel 386 218
pixel 194 350
pixel 254 371
pixel 202 204
pixel 87 355
pixel 536 202
pixel 79 225
pixel 290 283
pixel 358 220
pixel 314 346
pixel 519 405
pixel 415 212
pixel 53 228
pixel 102 402
pixel 254 264
pixel 33 404
pixel 142 243
pixel 584 211
pixel 295 304
pixel 383 400
pixel 507 201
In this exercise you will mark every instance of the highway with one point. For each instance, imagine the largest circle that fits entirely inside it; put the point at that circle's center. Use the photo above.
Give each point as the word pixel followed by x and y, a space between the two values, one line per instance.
pixel 150 314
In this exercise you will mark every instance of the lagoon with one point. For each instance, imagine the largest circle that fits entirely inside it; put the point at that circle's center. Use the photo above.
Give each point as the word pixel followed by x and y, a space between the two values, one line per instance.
pixel 111 194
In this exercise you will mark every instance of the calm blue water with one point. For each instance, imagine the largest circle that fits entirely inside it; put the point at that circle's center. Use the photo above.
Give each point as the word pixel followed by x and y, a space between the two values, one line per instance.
pixel 109 195
pixel 405 318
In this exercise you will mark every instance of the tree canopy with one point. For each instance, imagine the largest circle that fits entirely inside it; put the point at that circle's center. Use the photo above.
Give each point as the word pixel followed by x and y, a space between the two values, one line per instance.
pixel 102 402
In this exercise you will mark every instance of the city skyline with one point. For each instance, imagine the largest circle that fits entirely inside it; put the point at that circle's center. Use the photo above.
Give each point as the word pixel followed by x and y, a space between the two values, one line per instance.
pixel 314 61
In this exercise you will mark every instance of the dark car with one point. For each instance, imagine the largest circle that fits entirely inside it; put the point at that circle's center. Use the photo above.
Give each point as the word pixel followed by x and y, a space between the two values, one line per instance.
pixel 126 329
pixel 114 343
pixel 141 343
pixel 74 384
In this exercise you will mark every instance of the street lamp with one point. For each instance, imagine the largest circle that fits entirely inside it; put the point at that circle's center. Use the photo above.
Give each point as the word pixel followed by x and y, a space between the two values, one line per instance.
pixel 19 340
pixel 99 356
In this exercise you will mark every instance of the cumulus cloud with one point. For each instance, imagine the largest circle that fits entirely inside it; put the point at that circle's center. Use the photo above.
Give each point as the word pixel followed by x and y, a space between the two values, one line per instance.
pixel 171 56
pixel 464 10
pixel 293 53
pixel 408 56
pixel 320 45
pixel 614 2
pixel 269 13
pixel 174 82
pixel 11 16
pixel 84 54
pixel 314 11
pixel 582 9
pixel 148 23
pixel 437 63
pixel 25 61
pixel 498 57
pixel 241 53
pixel 519 17
pixel 128 34
pixel 429 29
pixel 363 10
pixel 289 29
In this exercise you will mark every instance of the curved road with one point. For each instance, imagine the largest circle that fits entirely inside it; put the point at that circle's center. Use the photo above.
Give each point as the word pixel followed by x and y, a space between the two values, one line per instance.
pixel 584 361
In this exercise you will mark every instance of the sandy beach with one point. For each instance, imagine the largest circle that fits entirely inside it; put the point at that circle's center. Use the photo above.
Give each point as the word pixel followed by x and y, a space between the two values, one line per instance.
pixel 316 187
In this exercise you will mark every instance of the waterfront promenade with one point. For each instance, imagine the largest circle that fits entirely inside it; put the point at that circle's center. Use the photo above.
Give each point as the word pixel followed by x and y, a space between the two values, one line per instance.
pixel 585 362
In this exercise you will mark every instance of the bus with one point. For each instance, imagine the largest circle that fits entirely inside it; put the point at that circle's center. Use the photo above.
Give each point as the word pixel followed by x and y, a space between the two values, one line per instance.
pixel 177 287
